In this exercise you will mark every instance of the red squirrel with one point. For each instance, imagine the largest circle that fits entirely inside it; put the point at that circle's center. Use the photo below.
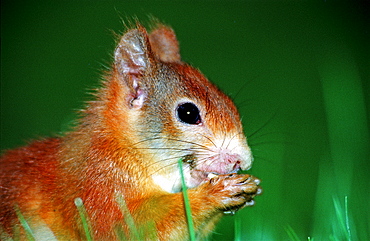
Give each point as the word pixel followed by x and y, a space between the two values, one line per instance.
pixel 151 111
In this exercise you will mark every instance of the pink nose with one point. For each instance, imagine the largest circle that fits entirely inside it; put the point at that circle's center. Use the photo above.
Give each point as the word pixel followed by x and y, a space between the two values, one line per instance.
pixel 229 158
pixel 232 162
pixel 222 163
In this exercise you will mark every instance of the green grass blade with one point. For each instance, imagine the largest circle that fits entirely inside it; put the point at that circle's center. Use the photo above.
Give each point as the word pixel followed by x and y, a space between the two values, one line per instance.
pixel 343 218
pixel 128 218
pixel 29 233
pixel 347 218
pixel 82 211
pixel 291 233
pixel 237 229
pixel 187 204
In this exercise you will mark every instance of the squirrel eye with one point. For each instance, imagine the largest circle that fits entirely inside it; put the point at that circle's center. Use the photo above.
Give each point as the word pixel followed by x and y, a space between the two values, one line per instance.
pixel 188 113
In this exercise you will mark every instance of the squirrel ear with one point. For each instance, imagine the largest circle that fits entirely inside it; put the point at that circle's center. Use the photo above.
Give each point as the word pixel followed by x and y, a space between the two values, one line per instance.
pixel 133 58
pixel 132 55
pixel 164 44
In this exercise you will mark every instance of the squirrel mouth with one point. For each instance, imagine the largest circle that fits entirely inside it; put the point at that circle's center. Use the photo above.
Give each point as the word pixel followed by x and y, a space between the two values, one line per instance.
pixel 199 176
pixel 204 175
pixel 199 172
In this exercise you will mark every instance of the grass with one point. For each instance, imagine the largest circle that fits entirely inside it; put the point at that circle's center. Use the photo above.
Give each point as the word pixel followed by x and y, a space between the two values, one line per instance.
pixel 341 227
pixel 29 233
pixel 187 204
pixel 83 216
pixel 142 232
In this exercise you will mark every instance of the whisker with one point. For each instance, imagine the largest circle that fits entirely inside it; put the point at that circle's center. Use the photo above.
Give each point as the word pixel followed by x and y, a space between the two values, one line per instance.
pixel 264 125
pixel 228 144
pixel 169 165
pixel 272 142
pixel 210 140
pixel 201 157
pixel 190 142
pixel 240 133
pixel 166 148
pixel 246 102
pixel 148 139
pixel 242 88
pixel 224 131
pixel 175 158
pixel 172 139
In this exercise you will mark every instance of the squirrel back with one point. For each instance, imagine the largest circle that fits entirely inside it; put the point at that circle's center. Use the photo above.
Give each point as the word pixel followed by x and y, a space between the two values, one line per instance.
pixel 152 111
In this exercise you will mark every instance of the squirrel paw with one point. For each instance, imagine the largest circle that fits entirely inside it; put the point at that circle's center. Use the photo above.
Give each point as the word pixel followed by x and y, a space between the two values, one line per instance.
pixel 235 191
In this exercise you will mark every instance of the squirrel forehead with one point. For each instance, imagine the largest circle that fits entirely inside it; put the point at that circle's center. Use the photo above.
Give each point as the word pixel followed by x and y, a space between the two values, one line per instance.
pixel 190 82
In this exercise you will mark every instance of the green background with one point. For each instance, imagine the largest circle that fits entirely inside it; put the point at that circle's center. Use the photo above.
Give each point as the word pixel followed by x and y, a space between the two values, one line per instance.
pixel 298 72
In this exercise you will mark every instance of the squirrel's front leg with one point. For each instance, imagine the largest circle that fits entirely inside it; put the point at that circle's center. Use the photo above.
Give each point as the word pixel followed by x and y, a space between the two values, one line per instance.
pixel 218 195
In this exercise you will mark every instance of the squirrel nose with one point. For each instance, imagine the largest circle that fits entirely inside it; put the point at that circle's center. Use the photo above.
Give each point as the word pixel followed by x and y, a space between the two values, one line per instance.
pixel 236 161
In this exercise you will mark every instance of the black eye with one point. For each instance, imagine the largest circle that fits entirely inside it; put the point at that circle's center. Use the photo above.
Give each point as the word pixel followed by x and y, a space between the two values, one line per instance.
pixel 188 113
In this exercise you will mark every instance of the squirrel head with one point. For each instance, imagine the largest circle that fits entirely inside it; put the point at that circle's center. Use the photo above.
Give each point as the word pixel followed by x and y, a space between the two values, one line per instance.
pixel 165 110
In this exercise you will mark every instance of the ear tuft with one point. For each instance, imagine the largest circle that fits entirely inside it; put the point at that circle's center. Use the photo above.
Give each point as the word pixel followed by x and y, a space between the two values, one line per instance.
pixel 164 44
